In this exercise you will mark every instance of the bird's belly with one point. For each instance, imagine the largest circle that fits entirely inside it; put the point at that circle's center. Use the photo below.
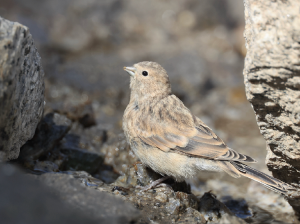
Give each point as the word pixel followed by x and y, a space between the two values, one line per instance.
pixel 166 163
pixel 178 166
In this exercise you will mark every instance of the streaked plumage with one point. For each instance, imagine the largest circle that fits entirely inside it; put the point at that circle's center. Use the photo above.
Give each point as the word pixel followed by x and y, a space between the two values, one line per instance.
pixel 168 138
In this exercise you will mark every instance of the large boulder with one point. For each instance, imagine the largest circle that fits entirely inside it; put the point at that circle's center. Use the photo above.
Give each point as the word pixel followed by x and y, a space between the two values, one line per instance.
pixel 272 69
pixel 21 88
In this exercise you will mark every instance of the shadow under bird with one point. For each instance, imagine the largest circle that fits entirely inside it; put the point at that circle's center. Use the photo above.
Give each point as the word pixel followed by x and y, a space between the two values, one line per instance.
pixel 165 136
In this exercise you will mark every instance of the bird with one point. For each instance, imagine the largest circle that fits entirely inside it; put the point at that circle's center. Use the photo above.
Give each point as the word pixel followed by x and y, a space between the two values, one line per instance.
pixel 169 139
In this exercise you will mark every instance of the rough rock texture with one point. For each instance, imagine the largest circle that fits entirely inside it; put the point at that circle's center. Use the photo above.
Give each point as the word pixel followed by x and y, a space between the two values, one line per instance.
pixel 171 202
pixel 272 79
pixel 56 198
pixel 21 88
pixel 95 204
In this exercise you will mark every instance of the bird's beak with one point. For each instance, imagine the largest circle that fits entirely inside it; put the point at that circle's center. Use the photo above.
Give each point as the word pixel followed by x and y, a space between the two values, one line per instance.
pixel 130 70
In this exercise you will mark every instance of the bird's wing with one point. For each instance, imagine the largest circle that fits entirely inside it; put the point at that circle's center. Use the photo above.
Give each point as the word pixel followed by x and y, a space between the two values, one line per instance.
pixel 171 126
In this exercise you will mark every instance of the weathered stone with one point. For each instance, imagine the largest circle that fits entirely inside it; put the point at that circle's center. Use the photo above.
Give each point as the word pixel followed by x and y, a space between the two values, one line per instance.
pixel 88 200
pixel 21 88
pixel 27 200
pixel 50 131
pixel 271 75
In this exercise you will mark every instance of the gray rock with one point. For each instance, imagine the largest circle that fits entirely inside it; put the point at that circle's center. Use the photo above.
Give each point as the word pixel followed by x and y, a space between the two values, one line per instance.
pixel 272 82
pixel 89 201
pixel 21 88
pixel 27 200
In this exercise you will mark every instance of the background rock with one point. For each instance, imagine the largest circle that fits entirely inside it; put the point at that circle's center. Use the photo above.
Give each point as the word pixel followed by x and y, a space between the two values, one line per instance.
pixel 21 88
pixel 272 82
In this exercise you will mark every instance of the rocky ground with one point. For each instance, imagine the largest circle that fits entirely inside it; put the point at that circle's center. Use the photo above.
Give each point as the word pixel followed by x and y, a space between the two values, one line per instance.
pixel 79 155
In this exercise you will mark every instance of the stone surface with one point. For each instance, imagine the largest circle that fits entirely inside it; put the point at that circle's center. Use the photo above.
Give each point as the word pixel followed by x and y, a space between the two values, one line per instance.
pixel 87 200
pixel 272 69
pixel 50 131
pixel 171 202
pixel 21 88
pixel 79 159
pixel 27 200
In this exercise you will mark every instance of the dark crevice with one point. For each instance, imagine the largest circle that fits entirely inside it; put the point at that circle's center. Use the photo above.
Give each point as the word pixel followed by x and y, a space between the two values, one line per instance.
pixel 259 68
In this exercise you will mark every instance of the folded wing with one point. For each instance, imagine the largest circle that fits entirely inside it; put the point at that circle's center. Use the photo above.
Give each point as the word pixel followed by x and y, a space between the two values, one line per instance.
pixel 171 126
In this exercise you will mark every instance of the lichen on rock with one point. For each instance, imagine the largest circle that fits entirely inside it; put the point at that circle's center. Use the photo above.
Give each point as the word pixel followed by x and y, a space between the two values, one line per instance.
pixel 21 88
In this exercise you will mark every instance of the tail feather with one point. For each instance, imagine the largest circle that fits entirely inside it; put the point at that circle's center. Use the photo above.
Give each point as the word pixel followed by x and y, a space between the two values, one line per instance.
pixel 235 156
pixel 268 181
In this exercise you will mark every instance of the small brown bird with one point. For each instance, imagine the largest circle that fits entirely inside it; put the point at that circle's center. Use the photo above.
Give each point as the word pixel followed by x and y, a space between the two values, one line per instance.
pixel 165 136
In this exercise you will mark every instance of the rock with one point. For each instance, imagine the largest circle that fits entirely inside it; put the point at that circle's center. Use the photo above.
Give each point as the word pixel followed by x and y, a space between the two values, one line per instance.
pixel 45 166
pixel 87 200
pixel 187 200
pixel 264 204
pixel 80 159
pixel 272 84
pixel 21 88
pixel 50 131
pixel 192 216
pixel 226 218
pixel 211 208
pixel 79 151
pixel 237 206
pixel 83 113
pixel 27 200
pixel 263 216
pixel 173 206
pixel 87 179
pixel 165 204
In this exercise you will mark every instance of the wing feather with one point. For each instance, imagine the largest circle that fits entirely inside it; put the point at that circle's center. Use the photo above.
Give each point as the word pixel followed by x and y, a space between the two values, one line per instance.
pixel 171 126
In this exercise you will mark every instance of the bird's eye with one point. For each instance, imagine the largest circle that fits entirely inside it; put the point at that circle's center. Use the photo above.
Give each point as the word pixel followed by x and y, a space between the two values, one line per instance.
pixel 145 73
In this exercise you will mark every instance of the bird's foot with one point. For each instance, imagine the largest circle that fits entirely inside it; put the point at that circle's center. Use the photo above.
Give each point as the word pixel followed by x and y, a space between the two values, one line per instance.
pixel 156 183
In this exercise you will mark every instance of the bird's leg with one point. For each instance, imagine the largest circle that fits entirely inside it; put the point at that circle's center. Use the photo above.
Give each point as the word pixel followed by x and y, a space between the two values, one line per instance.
pixel 154 183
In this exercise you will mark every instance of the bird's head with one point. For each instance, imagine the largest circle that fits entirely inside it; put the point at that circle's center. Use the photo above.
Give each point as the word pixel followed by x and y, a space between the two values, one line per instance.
pixel 148 80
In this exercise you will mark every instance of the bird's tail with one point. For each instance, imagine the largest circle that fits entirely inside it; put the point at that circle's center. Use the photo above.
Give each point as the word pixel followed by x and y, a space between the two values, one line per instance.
pixel 268 181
